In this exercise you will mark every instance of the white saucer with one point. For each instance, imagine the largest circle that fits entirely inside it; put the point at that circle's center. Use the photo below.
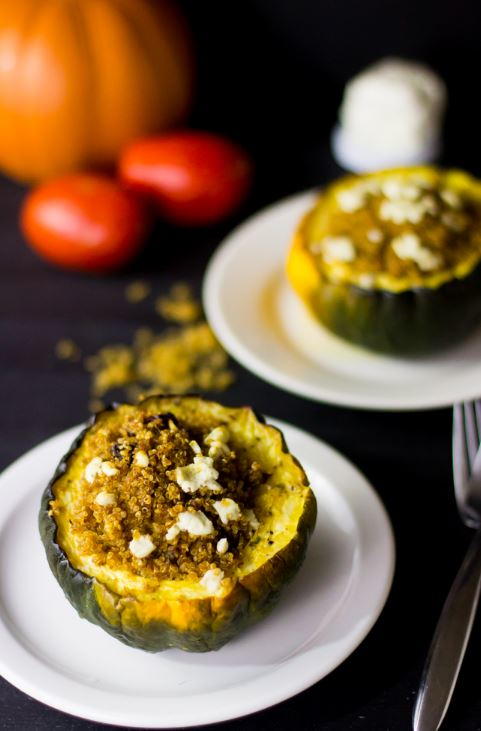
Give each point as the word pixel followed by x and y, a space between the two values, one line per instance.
pixel 263 324
pixel 67 663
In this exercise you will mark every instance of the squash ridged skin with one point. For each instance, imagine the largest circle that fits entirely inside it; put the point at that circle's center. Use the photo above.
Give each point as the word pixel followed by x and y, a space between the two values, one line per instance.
pixel 413 322
pixel 217 620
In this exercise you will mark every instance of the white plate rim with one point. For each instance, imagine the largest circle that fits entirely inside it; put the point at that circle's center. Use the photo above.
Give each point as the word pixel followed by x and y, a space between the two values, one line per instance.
pixel 268 371
pixel 380 522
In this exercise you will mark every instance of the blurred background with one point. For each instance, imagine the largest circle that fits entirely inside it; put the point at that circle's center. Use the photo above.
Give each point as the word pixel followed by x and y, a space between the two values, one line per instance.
pixel 271 73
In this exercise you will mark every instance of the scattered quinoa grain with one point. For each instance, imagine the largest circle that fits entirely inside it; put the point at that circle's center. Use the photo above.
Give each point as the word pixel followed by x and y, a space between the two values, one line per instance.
pixel 179 305
pixel 66 349
pixel 113 367
pixel 182 359
pixel 137 291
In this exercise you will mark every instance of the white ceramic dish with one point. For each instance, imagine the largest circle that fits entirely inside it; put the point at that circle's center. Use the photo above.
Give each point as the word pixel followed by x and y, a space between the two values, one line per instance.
pixel 263 324
pixel 72 665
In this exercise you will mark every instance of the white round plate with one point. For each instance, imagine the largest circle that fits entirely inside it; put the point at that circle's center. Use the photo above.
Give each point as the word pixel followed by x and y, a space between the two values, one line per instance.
pixel 264 325
pixel 72 665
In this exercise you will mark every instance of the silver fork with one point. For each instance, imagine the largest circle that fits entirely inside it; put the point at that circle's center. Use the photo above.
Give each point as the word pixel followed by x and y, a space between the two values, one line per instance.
pixel 455 623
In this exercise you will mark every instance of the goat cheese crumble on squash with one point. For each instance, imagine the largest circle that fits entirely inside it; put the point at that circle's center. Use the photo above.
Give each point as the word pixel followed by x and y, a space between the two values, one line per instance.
pixel 166 500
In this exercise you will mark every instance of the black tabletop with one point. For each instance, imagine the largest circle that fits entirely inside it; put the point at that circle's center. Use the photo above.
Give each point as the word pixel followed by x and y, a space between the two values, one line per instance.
pixel 405 455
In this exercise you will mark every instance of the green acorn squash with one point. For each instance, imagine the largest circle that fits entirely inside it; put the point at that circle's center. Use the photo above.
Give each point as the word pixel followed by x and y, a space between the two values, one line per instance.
pixel 391 261
pixel 158 597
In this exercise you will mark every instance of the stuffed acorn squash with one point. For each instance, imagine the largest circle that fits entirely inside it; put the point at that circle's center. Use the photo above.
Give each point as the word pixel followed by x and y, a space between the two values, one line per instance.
pixel 176 522
pixel 391 260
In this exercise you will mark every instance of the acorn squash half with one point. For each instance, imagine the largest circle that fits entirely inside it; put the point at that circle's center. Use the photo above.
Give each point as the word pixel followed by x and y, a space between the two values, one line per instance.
pixel 180 611
pixel 376 299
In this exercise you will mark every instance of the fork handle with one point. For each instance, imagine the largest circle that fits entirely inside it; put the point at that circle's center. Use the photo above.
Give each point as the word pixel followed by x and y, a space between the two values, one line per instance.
pixel 449 643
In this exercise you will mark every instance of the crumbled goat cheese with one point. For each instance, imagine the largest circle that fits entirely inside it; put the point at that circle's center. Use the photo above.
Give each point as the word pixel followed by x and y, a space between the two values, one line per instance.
pixel 222 545
pixel 105 498
pixel 411 192
pixel 141 547
pixel 227 510
pixel 366 281
pixel 391 188
pixel 338 248
pixel 451 198
pixel 429 205
pixel 351 200
pixel 172 533
pixel 195 447
pixel 108 469
pixel 400 210
pixel 201 473
pixel 375 235
pixel 196 524
pixel 251 517
pixel 141 459
pixel 409 246
pixel 212 580
pixel 398 190
pixel 217 441
pixel 92 469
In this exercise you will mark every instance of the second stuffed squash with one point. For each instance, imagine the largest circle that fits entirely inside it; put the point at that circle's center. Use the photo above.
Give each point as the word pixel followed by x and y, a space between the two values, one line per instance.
pixel 391 260
pixel 176 522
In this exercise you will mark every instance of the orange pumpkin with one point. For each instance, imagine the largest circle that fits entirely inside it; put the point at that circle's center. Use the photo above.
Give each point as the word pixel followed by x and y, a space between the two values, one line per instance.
pixel 80 78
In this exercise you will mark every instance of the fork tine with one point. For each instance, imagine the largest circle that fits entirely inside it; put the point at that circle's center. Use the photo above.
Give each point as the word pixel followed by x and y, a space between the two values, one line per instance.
pixel 477 413
pixel 460 461
pixel 471 432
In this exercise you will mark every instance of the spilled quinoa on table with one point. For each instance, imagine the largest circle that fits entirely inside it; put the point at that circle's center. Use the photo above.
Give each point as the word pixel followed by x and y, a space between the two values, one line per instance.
pixel 165 500
pixel 179 305
pixel 183 359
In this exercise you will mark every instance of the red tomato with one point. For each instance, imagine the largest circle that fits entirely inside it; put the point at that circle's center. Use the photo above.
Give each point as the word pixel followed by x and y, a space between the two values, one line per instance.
pixel 84 222
pixel 195 178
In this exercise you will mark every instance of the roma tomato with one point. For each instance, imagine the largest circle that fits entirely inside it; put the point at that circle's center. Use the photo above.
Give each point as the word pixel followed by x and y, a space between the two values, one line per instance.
pixel 85 222
pixel 195 178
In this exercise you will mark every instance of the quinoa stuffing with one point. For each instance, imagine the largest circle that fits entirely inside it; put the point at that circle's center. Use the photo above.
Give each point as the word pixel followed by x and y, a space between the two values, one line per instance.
pixel 406 226
pixel 165 500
